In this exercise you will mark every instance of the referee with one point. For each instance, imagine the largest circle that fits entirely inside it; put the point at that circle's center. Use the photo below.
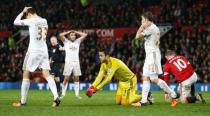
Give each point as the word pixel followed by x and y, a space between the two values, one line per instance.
pixel 56 59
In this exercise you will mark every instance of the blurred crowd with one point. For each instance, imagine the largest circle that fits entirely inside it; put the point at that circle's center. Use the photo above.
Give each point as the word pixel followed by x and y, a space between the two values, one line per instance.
pixel 190 35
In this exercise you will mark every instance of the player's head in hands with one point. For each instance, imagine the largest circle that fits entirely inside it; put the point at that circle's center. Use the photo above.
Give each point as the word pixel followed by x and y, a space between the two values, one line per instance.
pixel 146 19
pixel 30 13
pixel 104 54
pixel 53 41
pixel 71 36
pixel 169 54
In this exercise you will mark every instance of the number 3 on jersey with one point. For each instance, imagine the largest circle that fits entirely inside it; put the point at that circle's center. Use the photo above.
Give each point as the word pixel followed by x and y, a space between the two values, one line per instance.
pixel 180 64
pixel 42 33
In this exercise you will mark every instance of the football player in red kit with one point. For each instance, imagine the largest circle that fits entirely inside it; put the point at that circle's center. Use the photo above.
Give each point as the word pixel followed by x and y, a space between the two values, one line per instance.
pixel 184 73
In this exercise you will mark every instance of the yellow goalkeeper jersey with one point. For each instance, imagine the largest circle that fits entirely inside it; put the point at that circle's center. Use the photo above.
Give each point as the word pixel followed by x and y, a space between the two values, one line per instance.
pixel 114 67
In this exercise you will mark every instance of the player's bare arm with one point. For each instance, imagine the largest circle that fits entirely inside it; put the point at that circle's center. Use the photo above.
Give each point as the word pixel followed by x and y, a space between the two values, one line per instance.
pixel 18 20
pixel 83 35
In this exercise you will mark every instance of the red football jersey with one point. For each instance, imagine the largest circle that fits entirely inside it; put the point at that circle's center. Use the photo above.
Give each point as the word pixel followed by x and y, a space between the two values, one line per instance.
pixel 180 67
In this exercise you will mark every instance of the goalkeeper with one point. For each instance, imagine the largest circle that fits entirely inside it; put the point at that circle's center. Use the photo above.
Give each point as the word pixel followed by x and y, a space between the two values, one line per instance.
pixel 126 92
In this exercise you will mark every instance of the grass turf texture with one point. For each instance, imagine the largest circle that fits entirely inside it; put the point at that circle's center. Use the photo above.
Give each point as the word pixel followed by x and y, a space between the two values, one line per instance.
pixel 101 104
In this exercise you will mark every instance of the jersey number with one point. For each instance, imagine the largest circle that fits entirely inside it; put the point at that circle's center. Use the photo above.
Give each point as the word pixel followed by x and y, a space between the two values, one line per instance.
pixel 42 33
pixel 180 64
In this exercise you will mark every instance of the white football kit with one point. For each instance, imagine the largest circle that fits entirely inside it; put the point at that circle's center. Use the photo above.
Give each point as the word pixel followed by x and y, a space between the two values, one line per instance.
pixel 152 64
pixel 72 63
pixel 37 54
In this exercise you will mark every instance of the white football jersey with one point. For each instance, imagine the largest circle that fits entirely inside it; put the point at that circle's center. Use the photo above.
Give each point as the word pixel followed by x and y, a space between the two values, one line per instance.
pixel 37 31
pixel 72 50
pixel 152 38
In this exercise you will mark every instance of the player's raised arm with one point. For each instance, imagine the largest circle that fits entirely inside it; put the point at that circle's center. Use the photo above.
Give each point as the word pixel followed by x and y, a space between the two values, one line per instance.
pixel 139 34
pixel 18 20
pixel 62 35
pixel 83 35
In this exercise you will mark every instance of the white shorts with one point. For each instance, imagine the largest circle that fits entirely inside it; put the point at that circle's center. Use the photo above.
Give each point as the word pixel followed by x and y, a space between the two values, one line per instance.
pixel 70 67
pixel 152 65
pixel 34 60
pixel 185 86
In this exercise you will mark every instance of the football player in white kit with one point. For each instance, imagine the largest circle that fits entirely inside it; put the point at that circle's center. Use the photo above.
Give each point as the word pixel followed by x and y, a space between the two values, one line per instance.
pixel 72 64
pixel 152 65
pixel 37 54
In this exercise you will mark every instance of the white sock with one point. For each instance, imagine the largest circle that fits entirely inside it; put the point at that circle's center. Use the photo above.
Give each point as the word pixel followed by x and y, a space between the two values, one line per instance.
pixel 52 86
pixel 64 88
pixel 24 90
pixel 162 84
pixel 145 91
pixel 76 88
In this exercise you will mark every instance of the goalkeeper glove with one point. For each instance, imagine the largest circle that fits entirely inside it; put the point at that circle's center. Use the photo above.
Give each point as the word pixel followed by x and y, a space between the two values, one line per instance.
pixel 90 91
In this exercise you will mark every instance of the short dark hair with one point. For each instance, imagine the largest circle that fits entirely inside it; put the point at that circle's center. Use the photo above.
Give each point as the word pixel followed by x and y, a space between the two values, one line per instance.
pixel 170 52
pixel 104 49
pixel 148 15
pixel 31 11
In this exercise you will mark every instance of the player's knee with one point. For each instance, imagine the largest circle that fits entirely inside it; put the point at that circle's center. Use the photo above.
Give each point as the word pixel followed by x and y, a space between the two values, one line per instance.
pixel 145 78
pixel 76 79
pixel 26 74
pixel 118 99
pixel 57 79
pixel 155 80
pixel 46 73
pixel 66 79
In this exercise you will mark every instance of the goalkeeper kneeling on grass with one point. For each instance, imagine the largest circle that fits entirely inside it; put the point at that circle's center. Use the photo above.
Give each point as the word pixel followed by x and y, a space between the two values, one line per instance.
pixel 126 92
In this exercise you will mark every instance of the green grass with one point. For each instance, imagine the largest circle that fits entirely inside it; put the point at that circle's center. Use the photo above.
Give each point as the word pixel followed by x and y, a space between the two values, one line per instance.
pixel 101 104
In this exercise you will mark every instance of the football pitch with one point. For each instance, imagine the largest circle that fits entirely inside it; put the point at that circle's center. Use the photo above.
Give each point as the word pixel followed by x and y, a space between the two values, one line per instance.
pixel 101 104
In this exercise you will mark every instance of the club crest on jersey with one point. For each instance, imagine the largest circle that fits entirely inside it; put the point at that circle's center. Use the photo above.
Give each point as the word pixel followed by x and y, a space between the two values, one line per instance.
pixel 73 48
pixel 109 71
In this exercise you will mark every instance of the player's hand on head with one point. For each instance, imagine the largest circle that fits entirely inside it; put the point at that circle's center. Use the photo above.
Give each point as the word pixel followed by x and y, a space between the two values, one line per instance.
pixel 26 8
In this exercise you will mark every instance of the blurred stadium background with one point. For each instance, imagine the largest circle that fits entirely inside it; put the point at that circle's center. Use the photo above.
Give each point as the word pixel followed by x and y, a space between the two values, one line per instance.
pixel 184 27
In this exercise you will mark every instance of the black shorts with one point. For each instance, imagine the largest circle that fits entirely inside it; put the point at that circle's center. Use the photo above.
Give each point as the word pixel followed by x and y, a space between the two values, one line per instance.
pixel 55 69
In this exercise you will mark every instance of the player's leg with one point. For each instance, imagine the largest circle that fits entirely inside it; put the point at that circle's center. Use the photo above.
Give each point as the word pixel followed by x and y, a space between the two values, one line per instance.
pixel 162 84
pixel 77 73
pixel 118 97
pixel 24 89
pixel 155 70
pixel 57 77
pixel 51 83
pixel 125 94
pixel 66 72
pixel 146 80
pixel 65 85
pixel 192 90
pixel 54 73
pixel 45 66
pixel 133 97
pixel 76 87
pixel 25 86
pixel 58 84
pixel 29 65
pixel 145 89
pixel 186 91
